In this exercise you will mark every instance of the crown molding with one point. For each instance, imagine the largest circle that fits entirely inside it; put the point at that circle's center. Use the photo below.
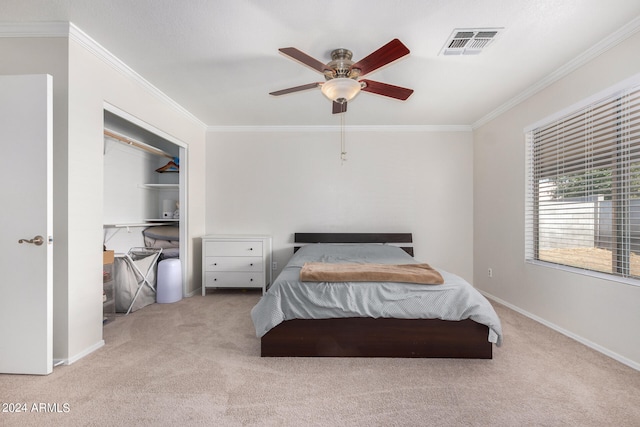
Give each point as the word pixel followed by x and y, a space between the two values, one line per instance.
pixel 336 128
pixel 599 48
pixel 80 37
pixel 70 30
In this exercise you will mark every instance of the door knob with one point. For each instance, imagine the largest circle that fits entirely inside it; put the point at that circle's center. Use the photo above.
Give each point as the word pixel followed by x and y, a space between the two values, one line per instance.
pixel 38 240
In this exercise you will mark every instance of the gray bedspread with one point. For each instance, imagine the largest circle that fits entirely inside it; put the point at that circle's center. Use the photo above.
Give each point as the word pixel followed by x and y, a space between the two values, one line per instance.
pixel 289 298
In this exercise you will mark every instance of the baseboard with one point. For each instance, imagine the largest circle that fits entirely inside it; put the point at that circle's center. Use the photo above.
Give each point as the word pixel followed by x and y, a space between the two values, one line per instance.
pixel 194 293
pixel 630 363
pixel 75 358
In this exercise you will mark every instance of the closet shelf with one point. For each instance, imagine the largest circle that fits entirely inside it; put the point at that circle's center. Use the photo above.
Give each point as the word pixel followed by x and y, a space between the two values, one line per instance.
pixel 147 223
pixel 159 186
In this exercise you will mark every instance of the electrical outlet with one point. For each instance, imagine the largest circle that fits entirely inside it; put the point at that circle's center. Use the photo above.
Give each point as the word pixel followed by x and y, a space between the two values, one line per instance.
pixel 490 272
pixel 274 265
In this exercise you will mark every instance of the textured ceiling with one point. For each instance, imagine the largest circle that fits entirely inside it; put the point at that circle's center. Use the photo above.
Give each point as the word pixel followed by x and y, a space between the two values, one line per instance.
pixel 219 59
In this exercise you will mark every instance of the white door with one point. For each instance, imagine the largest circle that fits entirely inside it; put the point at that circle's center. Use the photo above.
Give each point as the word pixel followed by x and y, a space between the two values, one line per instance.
pixel 26 282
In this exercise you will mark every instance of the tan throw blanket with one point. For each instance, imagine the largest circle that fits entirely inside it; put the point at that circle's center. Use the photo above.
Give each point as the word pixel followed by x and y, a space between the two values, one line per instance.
pixel 406 273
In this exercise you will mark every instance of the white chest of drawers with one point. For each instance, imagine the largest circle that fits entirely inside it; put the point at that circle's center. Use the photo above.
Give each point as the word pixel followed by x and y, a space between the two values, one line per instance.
pixel 236 261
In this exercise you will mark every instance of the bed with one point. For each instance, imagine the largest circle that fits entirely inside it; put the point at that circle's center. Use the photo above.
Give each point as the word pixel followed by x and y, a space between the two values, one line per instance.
pixel 371 319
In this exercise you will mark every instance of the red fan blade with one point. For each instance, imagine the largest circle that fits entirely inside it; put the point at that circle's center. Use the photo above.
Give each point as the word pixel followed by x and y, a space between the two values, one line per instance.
pixel 384 89
pixel 383 56
pixel 339 107
pixel 295 89
pixel 304 59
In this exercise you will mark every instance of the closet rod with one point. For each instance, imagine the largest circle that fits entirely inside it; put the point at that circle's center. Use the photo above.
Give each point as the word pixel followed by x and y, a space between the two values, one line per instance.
pixel 138 144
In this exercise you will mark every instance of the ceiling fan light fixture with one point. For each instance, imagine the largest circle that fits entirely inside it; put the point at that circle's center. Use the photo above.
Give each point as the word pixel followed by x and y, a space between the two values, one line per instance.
pixel 342 74
pixel 341 89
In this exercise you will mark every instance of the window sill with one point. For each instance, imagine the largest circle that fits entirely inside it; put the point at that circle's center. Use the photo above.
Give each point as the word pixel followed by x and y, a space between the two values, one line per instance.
pixel 582 271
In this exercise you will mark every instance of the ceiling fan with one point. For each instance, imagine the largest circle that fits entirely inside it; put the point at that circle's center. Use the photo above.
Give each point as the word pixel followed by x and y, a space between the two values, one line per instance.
pixel 342 74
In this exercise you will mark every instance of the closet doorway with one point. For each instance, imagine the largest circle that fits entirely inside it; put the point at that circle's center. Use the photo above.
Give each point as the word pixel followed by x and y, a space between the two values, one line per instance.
pixel 145 183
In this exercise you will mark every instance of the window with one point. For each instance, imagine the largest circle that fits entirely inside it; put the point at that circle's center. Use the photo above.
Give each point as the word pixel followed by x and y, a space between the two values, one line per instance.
pixel 583 187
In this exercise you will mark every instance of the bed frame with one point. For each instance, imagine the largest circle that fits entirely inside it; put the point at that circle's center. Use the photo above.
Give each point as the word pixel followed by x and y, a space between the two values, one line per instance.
pixel 368 337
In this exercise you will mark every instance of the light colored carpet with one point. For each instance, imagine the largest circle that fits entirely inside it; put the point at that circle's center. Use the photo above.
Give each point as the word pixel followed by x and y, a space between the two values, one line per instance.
pixel 196 362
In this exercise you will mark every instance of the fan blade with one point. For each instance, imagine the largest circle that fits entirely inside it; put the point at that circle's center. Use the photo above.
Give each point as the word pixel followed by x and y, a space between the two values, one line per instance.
pixel 339 107
pixel 383 56
pixel 295 89
pixel 384 89
pixel 304 59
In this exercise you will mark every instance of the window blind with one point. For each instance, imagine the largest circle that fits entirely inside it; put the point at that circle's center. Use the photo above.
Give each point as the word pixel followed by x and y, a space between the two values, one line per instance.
pixel 583 187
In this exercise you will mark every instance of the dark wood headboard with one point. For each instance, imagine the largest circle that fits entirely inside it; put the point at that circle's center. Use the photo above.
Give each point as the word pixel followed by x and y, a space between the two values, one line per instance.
pixel 391 238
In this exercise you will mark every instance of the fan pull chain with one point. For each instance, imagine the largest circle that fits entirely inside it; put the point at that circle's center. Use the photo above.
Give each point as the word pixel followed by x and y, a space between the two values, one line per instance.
pixel 343 150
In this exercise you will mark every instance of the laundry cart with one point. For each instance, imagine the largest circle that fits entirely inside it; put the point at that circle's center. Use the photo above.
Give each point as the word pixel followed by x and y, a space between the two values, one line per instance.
pixel 135 278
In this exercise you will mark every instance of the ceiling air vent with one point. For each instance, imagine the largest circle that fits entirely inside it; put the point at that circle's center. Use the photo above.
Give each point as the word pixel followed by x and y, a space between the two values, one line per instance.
pixel 469 41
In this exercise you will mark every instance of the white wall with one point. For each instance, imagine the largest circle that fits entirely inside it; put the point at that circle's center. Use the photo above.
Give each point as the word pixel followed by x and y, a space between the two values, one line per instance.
pixel 92 82
pixel 283 182
pixel 602 313
pixel 82 81
pixel 125 169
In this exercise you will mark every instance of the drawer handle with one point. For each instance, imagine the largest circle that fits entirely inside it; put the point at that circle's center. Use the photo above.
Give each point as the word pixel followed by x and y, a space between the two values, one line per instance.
pixel 215 280
pixel 251 265
pixel 250 249
pixel 215 263
pixel 251 280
